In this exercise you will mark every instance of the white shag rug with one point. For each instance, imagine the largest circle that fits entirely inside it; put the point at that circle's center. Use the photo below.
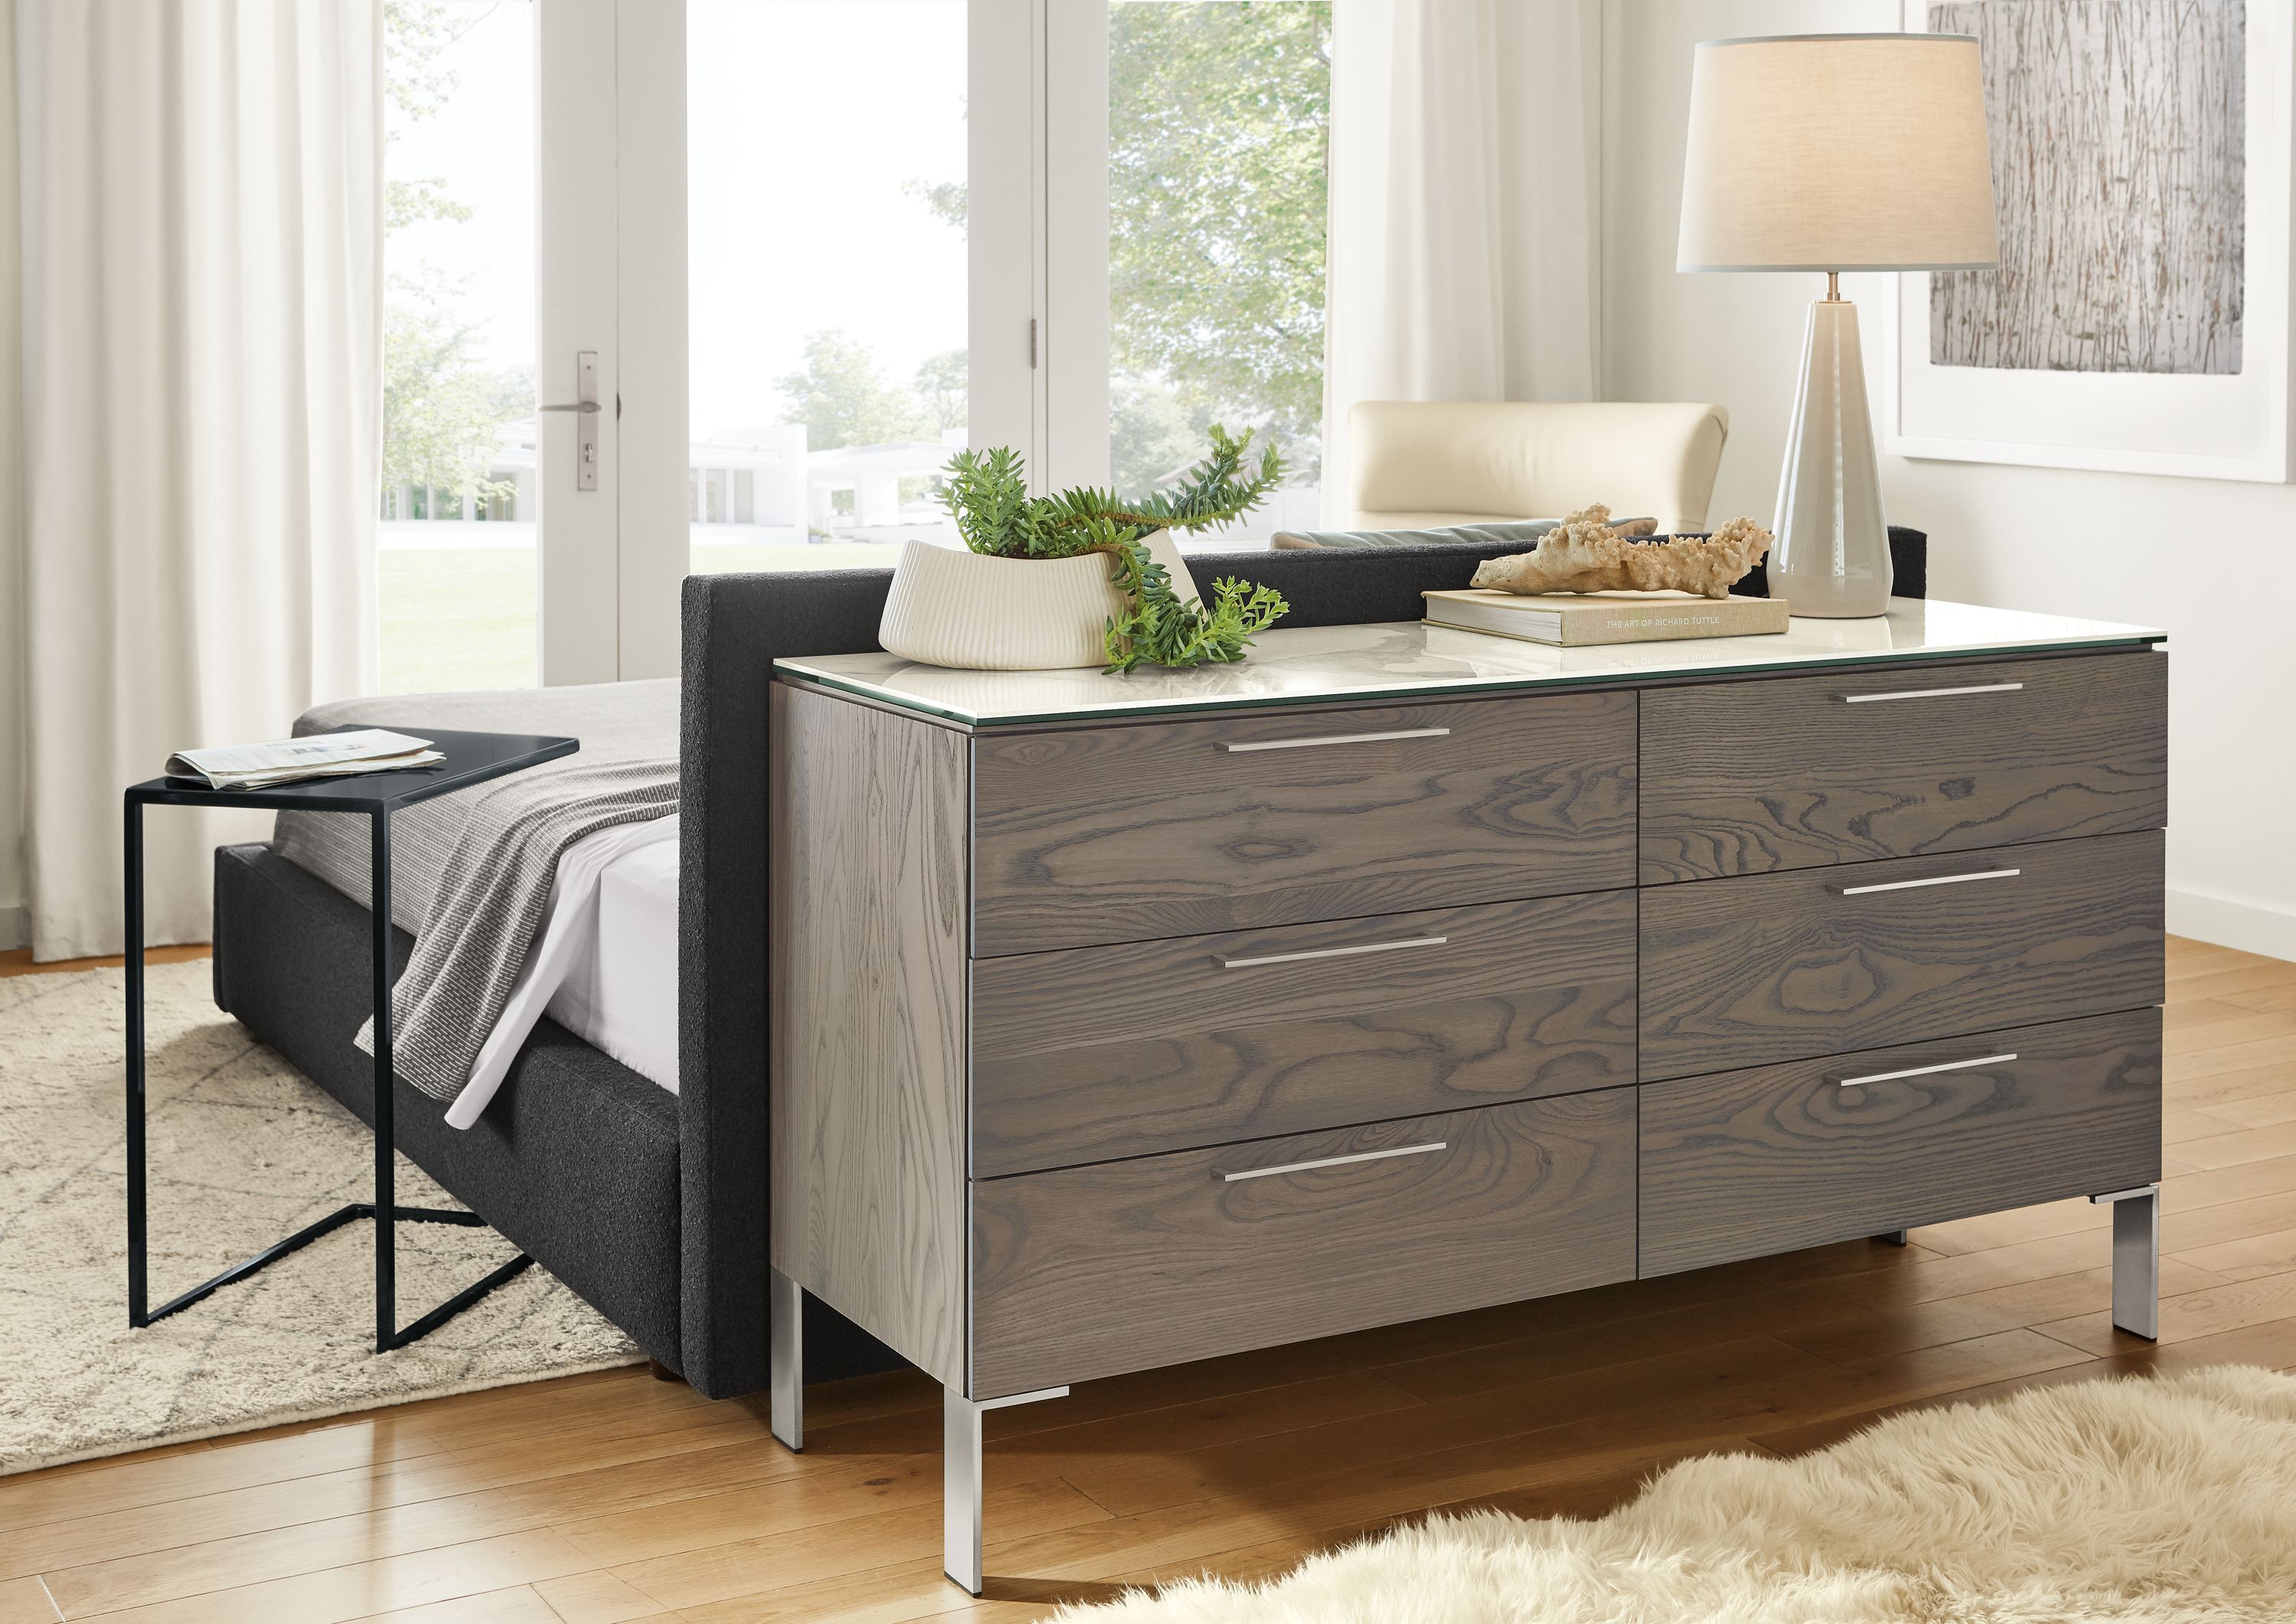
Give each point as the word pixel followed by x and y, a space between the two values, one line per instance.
pixel 243 1151
pixel 2168 1501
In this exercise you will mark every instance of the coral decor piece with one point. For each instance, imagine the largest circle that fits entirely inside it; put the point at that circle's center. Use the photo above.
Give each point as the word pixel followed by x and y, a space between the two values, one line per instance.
pixel 1586 554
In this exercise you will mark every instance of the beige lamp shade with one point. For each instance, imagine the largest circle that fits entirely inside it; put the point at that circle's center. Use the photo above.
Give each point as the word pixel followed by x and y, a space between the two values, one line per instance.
pixel 1837 152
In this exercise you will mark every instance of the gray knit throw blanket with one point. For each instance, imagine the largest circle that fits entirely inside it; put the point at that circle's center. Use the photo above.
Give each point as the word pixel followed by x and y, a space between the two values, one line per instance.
pixel 492 895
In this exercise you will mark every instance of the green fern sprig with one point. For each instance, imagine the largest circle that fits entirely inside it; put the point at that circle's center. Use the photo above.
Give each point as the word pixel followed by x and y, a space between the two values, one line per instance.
pixel 987 494
pixel 1167 631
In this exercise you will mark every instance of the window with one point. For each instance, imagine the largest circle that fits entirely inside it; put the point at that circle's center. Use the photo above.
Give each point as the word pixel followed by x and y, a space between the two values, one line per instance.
pixel 828 319
pixel 1087 229
pixel 455 565
pixel 1219 127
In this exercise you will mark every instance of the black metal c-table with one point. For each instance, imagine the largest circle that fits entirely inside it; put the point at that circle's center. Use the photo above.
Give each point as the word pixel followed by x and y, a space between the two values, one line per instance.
pixel 471 758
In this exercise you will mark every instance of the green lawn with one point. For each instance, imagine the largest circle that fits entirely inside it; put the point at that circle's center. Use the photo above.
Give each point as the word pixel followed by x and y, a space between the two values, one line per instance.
pixel 456 618
pixel 464 617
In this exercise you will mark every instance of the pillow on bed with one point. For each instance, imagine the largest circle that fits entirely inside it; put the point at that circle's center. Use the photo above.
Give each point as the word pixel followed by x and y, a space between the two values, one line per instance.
pixel 1508 535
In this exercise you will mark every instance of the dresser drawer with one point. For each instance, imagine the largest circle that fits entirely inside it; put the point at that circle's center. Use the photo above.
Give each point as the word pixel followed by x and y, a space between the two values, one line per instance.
pixel 1748 777
pixel 1093 1271
pixel 1091 1053
pixel 1740 973
pixel 1752 1163
pixel 1270 817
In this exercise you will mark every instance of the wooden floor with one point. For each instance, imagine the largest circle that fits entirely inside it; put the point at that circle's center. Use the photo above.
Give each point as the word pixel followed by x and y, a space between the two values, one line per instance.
pixel 617 1497
pixel 17 961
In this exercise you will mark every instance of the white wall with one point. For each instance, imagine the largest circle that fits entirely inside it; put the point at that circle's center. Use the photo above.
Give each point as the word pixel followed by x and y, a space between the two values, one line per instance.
pixel 2212 561
pixel 13 931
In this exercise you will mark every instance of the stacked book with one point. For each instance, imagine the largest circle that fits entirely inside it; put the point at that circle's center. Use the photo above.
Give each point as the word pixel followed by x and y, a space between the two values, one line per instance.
pixel 1576 619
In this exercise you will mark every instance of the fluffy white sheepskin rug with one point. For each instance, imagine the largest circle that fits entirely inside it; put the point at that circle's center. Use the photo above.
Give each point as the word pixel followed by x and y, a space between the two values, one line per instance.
pixel 2171 1501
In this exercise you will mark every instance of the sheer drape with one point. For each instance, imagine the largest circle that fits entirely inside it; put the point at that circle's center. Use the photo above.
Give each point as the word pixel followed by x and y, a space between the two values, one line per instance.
pixel 13 931
pixel 1464 206
pixel 201 308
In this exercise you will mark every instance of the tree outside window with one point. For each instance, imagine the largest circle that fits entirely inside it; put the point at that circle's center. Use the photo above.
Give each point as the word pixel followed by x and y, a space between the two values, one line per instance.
pixel 443 408
pixel 1218 142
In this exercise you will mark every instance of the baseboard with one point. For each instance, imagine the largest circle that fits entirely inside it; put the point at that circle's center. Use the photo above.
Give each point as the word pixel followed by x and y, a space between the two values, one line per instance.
pixel 15 926
pixel 2250 927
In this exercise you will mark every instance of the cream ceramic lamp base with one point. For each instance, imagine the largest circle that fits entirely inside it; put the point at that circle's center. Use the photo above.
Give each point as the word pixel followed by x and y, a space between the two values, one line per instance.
pixel 1831 555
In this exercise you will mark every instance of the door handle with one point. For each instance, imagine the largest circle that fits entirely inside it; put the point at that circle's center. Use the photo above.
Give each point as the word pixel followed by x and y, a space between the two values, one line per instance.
pixel 1983 687
pixel 1950 1065
pixel 1290 958
pixel 1335 738
pixel 1338 1161
pixel 585 420
pixel 1910 885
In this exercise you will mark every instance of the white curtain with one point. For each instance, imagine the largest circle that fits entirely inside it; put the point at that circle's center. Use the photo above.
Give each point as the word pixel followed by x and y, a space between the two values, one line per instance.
pixel 13 931
pixel 201 285
pixel 1465 205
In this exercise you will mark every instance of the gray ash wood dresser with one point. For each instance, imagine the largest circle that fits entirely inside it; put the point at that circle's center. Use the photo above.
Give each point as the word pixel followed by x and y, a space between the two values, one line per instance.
pixel 1119 1022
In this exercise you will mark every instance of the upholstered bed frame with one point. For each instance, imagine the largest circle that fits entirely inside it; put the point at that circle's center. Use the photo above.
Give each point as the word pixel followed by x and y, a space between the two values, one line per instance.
pixel 649 1204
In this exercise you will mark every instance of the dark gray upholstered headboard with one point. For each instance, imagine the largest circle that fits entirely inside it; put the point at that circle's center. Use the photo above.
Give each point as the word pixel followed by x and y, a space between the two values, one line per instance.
pixel 735 626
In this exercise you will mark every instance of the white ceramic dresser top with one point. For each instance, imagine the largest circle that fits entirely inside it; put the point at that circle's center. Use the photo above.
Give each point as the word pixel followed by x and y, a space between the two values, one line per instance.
pixel 1306 664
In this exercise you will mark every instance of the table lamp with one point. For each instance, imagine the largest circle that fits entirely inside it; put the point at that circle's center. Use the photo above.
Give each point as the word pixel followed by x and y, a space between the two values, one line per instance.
pixel 1835 152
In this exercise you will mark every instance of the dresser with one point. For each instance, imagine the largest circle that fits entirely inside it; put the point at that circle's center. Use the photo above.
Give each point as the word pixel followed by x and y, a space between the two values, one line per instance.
pixel 1119 1022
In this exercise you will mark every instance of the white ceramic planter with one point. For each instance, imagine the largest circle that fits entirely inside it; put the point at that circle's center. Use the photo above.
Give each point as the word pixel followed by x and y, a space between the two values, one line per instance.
pixel 977 612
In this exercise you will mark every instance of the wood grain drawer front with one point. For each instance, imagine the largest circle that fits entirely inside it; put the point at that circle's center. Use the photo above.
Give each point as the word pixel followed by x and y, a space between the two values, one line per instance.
pixel 1748 777
pixel 1263 817
pixel 1740 973
pixel 1747 1163
pixel 1093 1271
pixel 1096 1053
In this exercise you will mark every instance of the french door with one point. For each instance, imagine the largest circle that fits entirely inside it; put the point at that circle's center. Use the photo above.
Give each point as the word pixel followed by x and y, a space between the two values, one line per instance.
pixel 534 344
pixel 1185 204
pixel 799 243
pixel 861 275
pixel 690 285
pixel 1087 229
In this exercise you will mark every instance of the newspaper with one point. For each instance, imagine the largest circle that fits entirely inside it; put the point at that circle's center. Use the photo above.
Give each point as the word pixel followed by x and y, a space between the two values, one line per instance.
pixel 319 755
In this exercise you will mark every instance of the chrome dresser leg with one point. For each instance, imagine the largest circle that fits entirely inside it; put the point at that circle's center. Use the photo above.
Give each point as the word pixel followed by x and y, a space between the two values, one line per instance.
pixel 2136 1260
pixel 1891 1237
pixel 960 1489
pixel 960 1483
pixel 785 1331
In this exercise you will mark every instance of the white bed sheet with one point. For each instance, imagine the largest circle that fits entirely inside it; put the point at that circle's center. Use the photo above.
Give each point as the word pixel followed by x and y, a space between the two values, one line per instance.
pixel 620 995
pixel 603 965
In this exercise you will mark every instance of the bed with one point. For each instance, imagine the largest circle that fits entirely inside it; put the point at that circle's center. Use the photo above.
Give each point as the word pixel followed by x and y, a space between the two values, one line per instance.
pixel 646 1193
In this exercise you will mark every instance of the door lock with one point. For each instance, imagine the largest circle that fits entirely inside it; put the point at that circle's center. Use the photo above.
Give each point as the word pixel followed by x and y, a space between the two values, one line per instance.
pixel 586 421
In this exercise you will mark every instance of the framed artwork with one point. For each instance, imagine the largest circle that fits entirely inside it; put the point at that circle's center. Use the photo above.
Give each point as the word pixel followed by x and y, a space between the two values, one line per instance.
pixel 2140 318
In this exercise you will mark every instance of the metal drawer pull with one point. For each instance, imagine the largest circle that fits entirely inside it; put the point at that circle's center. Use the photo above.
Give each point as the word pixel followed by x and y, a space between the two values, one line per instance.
pixel 1983 687
pixel 1338 1161
pixel 1336 738
pixel 1289 958
pixel 1908 885
pixel 1951 1065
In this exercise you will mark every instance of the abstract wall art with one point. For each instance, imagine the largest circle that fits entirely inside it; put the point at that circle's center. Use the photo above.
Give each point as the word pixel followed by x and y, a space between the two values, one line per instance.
pixel 2119 138
pixel 2139 318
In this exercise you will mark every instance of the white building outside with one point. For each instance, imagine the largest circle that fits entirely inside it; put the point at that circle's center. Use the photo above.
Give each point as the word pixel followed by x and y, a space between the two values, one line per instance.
pixel 745 485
